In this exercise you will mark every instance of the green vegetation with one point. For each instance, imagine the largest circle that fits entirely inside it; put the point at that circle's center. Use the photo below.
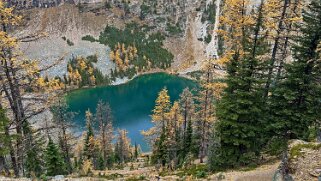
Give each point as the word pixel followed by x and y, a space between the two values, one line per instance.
pixel 196 74
pixel 53 160
pixel 144 11
pixel 150 51
pixel 259 110
pixel 196 171
pixel 295 151
pixel 69 42
pixel 88 38
pixel 173 30
pixel 82 72
pixel 4 138
pixel 209 14
pixel 108 5
pixel 208 38
pixel 141 177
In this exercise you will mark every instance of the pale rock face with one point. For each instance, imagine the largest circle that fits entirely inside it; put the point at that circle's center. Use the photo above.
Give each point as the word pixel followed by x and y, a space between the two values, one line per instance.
pixel 67 21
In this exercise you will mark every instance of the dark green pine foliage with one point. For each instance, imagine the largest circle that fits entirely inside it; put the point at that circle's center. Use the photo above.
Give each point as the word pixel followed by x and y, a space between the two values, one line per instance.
pixel 101 162
pixel 149 46
pixel 187 142
pixel 159 154
pixel 54 160
pixel 34 158
pixel 4 139
pixel 63 120
pixel 295 101
pixel 185 136
pixel 85 75
pixel 90 133
pixel 240 111
pixel 136 151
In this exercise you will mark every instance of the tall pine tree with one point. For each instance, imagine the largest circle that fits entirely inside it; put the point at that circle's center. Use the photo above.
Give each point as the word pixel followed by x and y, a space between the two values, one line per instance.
pixel 187 106
pixel 240 111
pixel 104 119
pixel 63 121
pixel 157 134
pixel 4 140
pixel 295 101
pixel 88 147
pixel 53 160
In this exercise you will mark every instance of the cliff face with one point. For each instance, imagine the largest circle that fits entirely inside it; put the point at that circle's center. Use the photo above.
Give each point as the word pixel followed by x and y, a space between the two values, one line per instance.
pixel 187 25
pixel 23 4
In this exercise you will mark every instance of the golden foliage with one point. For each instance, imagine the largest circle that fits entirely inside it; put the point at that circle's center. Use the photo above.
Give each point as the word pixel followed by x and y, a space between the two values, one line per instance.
pixel 123 56
pixel 162 106
pixel 237 19
pixel 87 167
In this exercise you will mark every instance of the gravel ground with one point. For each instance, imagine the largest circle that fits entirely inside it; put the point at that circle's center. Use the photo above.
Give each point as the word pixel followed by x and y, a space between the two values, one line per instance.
pixel 49 50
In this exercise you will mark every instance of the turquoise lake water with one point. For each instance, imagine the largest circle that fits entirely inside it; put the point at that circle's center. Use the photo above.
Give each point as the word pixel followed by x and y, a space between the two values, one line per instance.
pixel 132 103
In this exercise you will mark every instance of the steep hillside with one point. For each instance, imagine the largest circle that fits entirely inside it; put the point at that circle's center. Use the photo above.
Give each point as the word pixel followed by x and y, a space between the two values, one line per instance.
pixel 186 25
pixel 62 25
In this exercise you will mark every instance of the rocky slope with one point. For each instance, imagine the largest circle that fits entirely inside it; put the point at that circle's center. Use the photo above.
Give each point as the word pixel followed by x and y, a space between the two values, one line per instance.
pixel 70 22
pixel 305 160
pixel 62 24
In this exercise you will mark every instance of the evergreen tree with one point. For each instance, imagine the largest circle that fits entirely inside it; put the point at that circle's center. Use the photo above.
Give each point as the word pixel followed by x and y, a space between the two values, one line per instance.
pixel 3 137
pixel 4 140
pixel 63 121
pixel 123 150
pixel 101 162
pixel 88 154
pixel 157 134
pixel 205 112
pixel 54 162
pixel 173 130
pixel 187 106
pixel 240 112
pixel 104 119
pixel 34 155
pixel 295 101
pixel 187 141
pixel 136 153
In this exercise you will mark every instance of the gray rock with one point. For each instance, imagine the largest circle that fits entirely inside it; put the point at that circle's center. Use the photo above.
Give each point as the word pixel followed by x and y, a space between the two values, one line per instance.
pixel 59 177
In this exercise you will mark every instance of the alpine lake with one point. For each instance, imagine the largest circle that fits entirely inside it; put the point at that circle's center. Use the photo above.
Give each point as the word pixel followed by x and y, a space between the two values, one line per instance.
pixel 131 103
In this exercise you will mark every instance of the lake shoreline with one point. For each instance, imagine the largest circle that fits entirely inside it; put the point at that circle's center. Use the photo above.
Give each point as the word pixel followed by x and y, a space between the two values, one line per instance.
pixel 131 103
pixel 125 80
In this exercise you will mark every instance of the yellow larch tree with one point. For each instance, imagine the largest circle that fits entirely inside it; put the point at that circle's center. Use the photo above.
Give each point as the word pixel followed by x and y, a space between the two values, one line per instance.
pixel 18 76
pixel 236 19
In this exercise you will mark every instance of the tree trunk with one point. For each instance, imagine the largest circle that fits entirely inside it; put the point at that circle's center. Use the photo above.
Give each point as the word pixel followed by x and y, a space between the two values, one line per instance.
pixel 275 49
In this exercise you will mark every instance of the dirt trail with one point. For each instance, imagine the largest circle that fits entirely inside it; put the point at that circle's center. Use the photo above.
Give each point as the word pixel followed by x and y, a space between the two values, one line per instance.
pixel 263 173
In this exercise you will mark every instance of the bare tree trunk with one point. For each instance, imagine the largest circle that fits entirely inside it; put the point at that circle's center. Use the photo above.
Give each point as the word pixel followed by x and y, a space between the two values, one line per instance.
pixel 203 126
pixel 286 43
pixel 275 48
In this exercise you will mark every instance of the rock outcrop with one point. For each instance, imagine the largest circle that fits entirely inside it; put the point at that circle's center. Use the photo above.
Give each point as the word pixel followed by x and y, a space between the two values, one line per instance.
pixel 305 160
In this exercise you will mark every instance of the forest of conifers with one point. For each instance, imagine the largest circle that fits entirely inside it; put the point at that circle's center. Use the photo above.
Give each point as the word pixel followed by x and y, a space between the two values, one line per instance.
pixel 269 93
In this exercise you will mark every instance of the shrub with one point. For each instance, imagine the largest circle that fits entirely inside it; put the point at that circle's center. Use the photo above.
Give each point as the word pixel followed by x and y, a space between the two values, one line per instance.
pixel 276 145
pixel 201 174
pixel 70 43
pixel 208 38
pixel 173 29
pixel 88 38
